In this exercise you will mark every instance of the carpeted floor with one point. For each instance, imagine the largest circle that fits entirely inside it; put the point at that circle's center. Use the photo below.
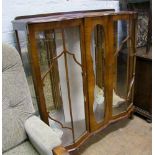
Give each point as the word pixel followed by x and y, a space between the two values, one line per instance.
pixel 127 137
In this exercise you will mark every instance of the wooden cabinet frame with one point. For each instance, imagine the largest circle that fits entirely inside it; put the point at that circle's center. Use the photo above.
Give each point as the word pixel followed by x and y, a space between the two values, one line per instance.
pixel 85 21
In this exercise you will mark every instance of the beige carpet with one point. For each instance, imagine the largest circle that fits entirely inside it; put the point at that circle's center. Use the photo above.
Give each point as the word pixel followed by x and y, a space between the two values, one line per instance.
pixel 127 137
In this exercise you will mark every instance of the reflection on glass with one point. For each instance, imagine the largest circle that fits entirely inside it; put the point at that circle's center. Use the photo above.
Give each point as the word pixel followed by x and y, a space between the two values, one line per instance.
pixel 98 66
pixel 72 37
pixel 48 93
pixel 49 45
pixel 46 52
pixel 27 67
pixel 120 68
pixel 62 81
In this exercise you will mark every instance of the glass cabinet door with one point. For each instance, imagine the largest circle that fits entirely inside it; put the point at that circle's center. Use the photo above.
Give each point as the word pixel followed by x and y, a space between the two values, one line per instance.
pixel 123 66
pixel 62 75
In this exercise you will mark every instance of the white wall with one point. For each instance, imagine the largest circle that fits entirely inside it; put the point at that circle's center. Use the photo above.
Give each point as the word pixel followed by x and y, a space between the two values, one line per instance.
pixel 13 8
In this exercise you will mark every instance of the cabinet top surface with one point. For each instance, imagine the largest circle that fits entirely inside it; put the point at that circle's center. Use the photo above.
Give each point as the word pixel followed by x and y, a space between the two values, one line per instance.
pixel 66 16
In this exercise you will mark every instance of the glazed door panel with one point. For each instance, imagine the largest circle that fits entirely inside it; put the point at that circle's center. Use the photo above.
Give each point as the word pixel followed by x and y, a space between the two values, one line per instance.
pixel 96 38
pixel 123 64
pixel 60 53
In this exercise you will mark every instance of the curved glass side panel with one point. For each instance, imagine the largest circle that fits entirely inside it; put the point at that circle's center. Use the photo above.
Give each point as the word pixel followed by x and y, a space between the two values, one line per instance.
pixel 27 67
pixel 120 70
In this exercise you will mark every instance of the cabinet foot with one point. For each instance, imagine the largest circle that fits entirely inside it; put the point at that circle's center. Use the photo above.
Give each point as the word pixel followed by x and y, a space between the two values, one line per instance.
pixel 149 120
pixel 131 116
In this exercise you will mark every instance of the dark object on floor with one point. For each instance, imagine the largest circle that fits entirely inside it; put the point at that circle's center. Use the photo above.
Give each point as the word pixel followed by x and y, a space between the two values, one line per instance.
pixel 143 84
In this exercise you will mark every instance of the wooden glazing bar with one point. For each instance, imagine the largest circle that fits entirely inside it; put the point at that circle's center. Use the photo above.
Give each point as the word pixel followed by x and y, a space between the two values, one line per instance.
pixel 55 58
pixel 47 72
pixel 51 66
pixel 130 88
pixel 59 123
pixel 122 43
pixel 68 85
pixel 74 58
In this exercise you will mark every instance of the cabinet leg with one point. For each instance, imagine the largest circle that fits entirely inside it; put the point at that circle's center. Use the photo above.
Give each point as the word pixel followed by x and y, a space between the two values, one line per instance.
pixel 149 120
pixel 131 115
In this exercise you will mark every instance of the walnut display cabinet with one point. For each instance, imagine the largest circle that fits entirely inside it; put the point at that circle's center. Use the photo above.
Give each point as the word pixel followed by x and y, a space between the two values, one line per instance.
pixel 80 67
